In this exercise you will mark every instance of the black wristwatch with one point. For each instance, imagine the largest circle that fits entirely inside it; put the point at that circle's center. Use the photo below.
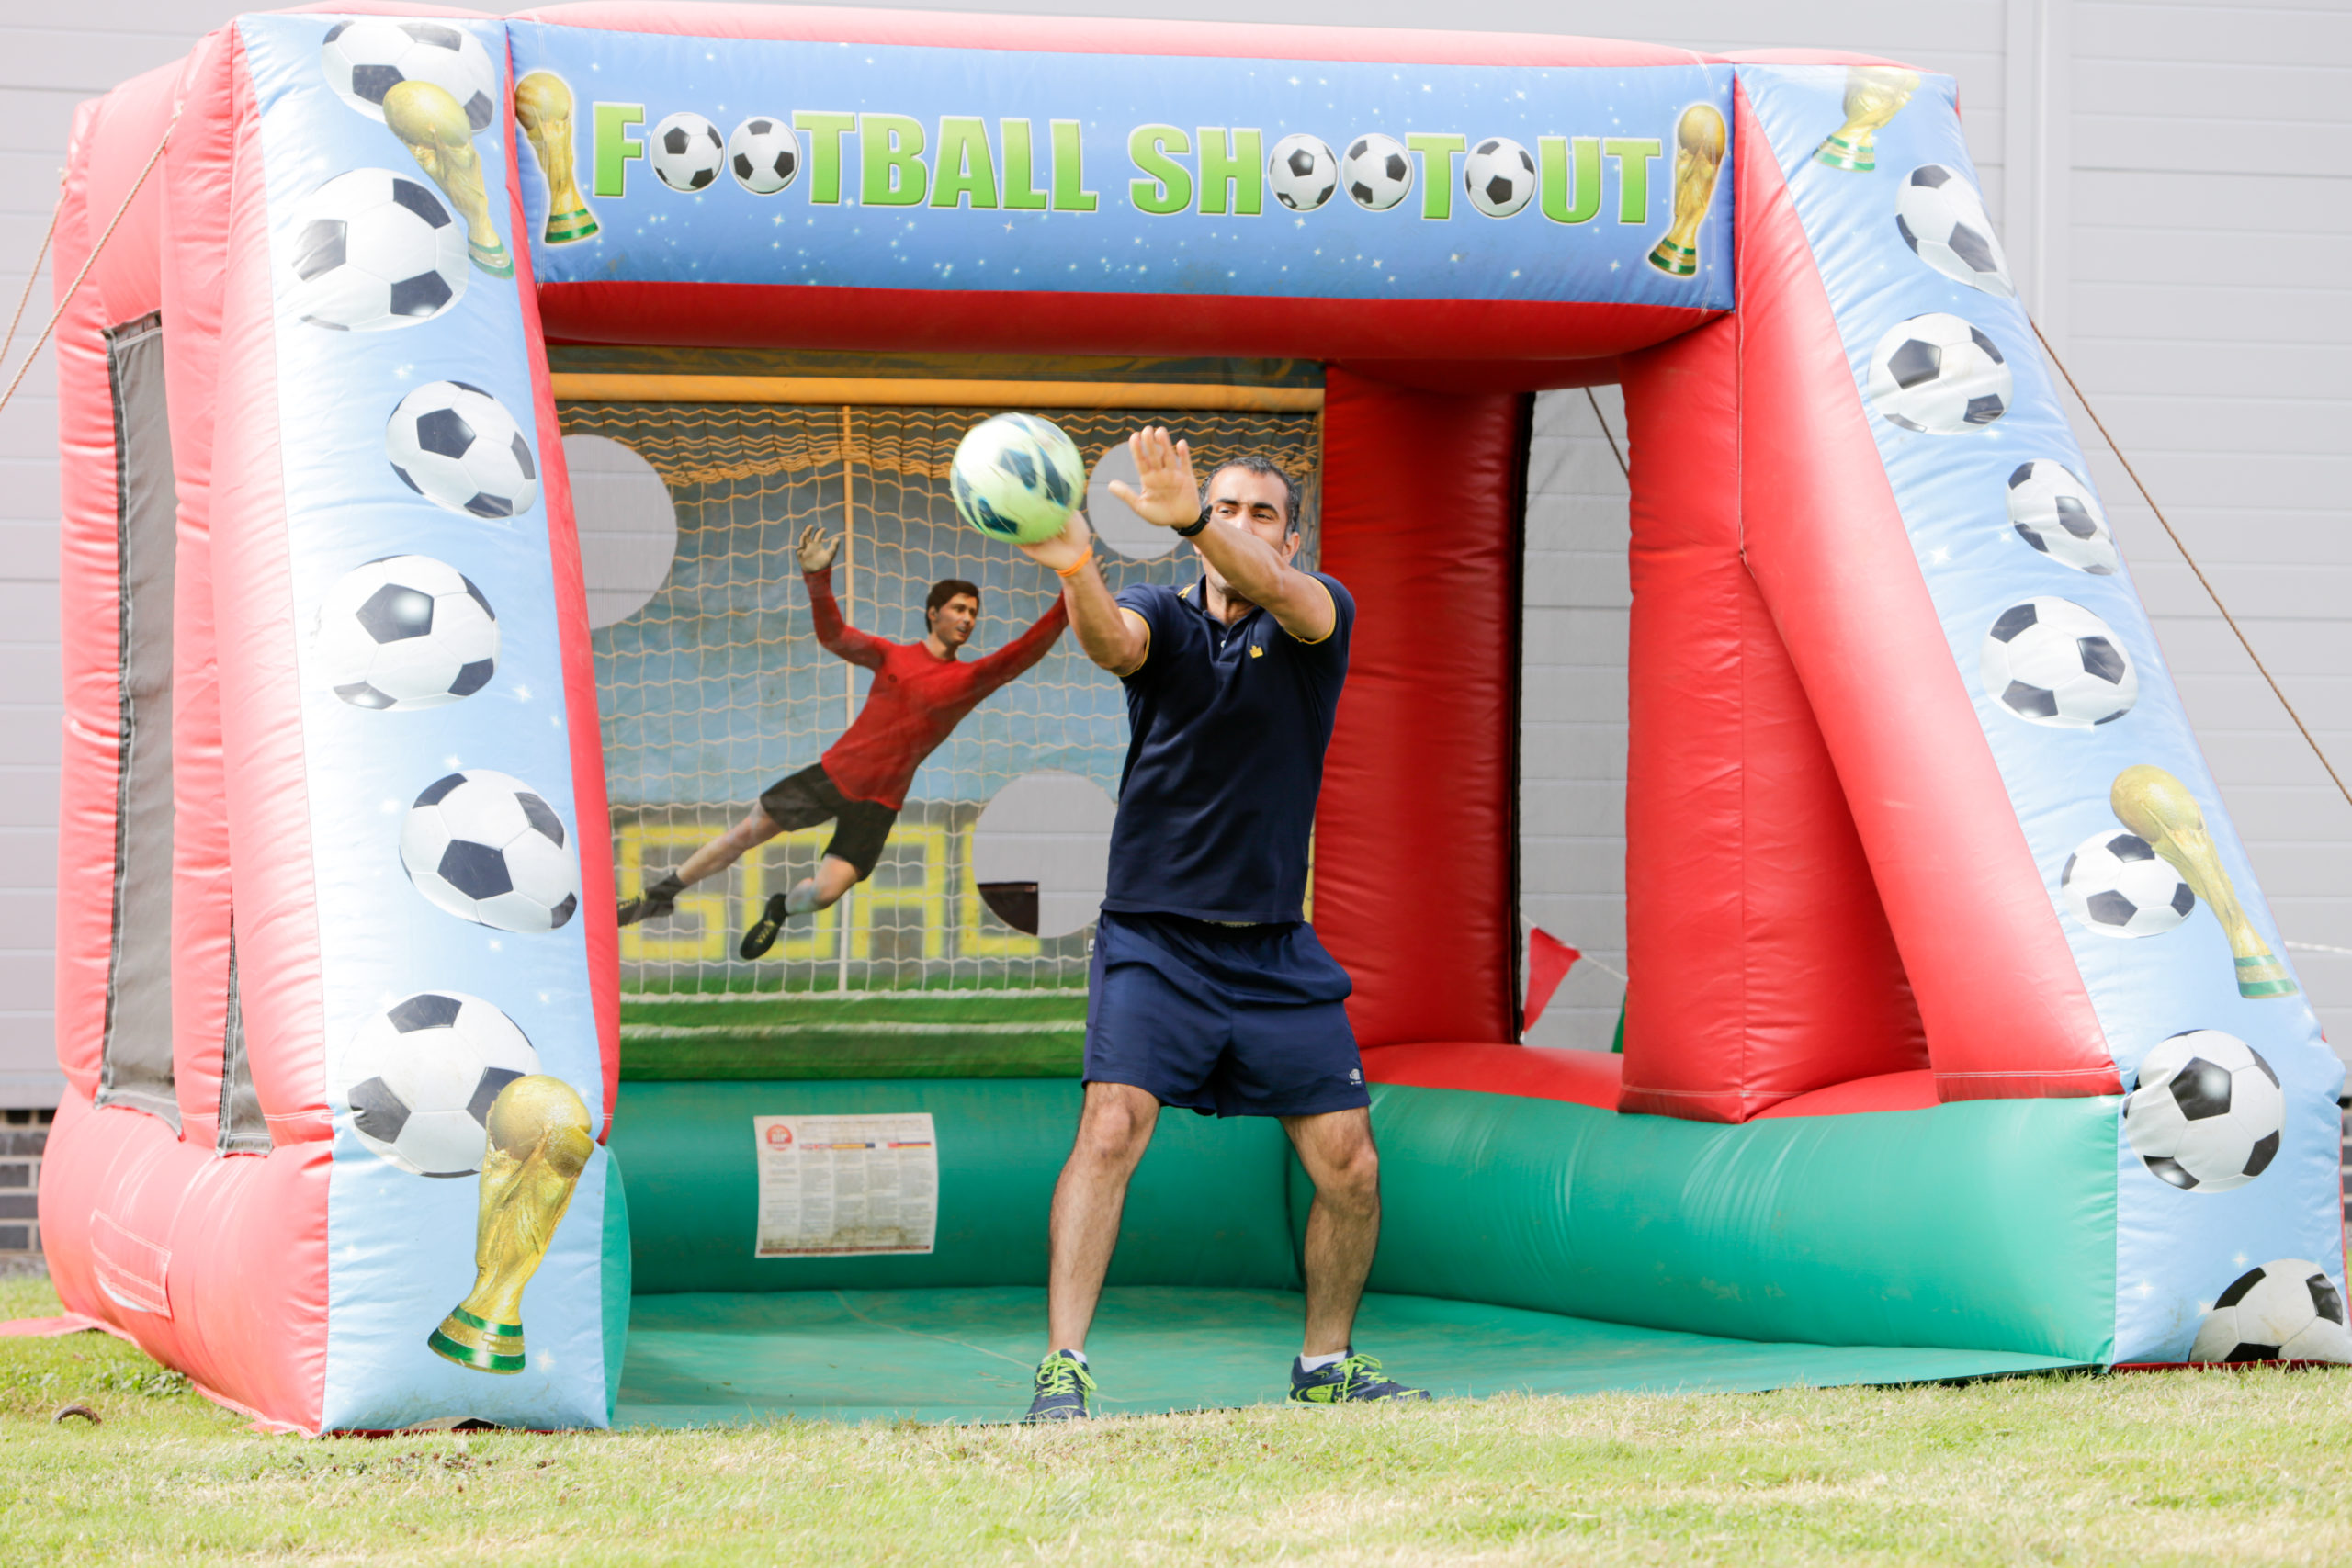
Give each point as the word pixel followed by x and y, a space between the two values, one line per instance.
pixel 1196 527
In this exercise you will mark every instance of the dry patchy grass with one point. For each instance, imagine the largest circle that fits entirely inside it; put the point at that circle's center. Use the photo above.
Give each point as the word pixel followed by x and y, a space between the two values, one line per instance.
pixel 2145 1470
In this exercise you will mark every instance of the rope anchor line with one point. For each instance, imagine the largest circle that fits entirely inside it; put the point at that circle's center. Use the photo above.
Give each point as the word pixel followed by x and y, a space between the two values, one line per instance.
pixel 2202 580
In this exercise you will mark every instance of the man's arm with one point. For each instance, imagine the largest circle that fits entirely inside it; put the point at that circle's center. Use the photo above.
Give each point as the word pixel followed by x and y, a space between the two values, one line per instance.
pixel 1011 661
pixel 1169 496
pixel 1298 601
pixel 837 636
pixel 1114 636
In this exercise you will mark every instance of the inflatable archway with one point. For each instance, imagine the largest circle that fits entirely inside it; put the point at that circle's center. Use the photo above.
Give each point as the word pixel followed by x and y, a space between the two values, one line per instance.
pixel 1923 870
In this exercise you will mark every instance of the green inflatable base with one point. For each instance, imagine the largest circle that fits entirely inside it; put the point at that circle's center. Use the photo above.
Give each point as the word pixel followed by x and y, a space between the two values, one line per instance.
pixel 966 1354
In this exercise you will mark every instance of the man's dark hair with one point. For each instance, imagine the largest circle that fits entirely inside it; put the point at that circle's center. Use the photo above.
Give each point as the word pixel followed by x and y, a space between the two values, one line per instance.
pixel 1258 463
pixel 946 588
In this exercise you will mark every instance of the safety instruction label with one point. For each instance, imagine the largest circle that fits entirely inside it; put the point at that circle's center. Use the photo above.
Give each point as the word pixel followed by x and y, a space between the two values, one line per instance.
pixel 835 1185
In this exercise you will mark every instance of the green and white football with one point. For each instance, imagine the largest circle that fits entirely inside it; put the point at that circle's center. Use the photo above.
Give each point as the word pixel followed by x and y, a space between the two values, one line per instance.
pixel 1017 476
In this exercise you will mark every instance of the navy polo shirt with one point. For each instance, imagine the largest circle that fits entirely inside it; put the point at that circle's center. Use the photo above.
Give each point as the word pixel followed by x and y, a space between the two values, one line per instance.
pixel 1225 759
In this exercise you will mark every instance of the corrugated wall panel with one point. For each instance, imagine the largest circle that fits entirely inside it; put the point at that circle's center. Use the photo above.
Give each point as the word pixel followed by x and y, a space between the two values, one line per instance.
pixel 1572 709
pixel 2209 302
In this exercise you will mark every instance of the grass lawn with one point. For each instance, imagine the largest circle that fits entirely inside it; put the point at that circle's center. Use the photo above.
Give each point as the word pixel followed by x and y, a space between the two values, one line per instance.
pixel 2177 1468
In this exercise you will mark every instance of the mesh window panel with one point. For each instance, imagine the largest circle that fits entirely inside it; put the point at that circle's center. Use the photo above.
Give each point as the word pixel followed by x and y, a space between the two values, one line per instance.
pixel 136 1059
pixel 718 687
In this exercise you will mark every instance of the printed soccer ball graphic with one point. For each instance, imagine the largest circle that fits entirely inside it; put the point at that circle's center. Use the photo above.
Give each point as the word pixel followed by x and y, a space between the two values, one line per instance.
pixel 375 250
pixel 420 1077
pixel 1378 172
pixel 1302 172
pixel 1016 477
pixel 1943 219
pixel 2117 885
pixel 2207 1113
pixel 2053 511
pixel 2053 662
pixel 406 632
pixel 763 154
pixel 487 849
pixel 457 445
pixel 1939 375
pixel 1499 176
pixel 366 59
pixel 2286 1311
pixel 685 151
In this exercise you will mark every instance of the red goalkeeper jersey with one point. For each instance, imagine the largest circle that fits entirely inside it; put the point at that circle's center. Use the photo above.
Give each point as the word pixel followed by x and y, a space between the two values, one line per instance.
pixel 918 698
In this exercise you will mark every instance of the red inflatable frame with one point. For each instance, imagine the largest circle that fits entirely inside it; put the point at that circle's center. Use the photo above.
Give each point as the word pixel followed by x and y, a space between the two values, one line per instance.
pixel 1766 796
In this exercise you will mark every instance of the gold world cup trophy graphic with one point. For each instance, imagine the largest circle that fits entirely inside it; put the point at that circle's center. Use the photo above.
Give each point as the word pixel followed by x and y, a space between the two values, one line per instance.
pixel 441 139
pixel 543 105
pixel 1699 144
pixel 1875 95
pixel 540 1142
pixel 2158 808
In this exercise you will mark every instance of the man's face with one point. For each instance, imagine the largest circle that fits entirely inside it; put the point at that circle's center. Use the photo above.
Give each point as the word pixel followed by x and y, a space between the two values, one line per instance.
pixel 1259 502
pixel 952 623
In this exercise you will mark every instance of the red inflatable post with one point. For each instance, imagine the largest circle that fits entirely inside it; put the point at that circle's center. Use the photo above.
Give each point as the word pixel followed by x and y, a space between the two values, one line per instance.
pixel 2005 1011
pixel 192 246
pixel 1416 844
pixel 215 1265
pixel 1761 963
pixel 89 573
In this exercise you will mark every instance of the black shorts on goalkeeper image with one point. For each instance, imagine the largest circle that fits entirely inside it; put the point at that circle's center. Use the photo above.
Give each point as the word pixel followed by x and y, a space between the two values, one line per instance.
pixel 1226 1021
pixel 807 797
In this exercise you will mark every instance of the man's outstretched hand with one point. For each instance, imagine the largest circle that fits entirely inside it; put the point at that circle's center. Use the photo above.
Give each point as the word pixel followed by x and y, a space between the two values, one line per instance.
pixel 1169 494
pixel 816 548
pixel 1064 549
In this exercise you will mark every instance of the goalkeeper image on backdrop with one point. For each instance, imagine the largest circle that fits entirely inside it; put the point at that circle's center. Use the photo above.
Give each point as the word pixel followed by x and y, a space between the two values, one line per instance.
pixel 920 692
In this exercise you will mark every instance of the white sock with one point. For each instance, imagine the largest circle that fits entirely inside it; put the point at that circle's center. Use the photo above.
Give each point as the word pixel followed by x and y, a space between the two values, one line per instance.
pixel 1077 1355
pixel 801 899
pixel 1316 1364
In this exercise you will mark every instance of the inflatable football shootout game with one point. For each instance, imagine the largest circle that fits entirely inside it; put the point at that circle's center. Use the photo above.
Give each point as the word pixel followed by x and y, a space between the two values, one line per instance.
pixel 1958 1039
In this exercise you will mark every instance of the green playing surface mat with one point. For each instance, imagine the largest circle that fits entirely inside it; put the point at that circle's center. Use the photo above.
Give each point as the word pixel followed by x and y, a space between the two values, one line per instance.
pixel 959 1354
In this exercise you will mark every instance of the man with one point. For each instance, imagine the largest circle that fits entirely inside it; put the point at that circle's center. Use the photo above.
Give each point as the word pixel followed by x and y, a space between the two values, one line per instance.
pixel 1208 990
pixel 922 691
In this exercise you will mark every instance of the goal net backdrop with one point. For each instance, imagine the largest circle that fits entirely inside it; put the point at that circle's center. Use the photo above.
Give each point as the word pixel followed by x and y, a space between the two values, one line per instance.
pixel 717 686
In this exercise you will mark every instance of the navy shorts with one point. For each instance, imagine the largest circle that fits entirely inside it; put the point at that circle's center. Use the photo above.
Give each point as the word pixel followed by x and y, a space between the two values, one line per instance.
pixel 1227 1020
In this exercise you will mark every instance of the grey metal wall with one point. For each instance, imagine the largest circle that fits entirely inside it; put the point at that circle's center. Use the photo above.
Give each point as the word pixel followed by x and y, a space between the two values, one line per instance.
pixel 2201 290
pixel 2172 178
pixel 1572 707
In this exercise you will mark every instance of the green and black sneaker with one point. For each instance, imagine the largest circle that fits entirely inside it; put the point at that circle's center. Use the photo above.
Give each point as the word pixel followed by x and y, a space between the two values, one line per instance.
pixel 1064 1387
pixel 1350 1379
pixel 765 930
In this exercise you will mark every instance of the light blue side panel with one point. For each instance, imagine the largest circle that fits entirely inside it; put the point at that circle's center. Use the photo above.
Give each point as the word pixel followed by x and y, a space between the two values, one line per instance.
pixel 2176 1249
pixel 402 1245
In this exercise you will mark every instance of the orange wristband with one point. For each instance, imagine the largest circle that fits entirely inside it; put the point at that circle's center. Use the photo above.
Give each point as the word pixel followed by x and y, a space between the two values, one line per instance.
pixel 1074 567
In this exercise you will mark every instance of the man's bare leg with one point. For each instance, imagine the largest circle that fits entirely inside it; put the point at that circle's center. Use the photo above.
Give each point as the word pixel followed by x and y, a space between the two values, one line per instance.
pixel 835 877
pixel 756 828
pixel 1344 1227
pixel 1113 1130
